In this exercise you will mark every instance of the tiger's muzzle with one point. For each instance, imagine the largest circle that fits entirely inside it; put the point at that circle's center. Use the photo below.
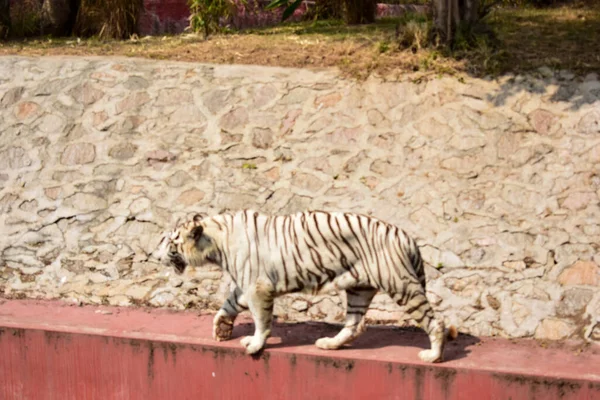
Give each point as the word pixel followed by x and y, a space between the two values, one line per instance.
pixel 177 261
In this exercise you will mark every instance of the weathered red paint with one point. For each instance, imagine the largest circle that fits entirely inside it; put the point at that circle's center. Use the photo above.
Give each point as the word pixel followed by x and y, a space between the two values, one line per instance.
pixel 52 351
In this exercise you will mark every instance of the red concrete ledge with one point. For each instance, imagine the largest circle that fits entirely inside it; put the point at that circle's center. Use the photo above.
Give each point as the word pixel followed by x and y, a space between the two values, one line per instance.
pixel 49 350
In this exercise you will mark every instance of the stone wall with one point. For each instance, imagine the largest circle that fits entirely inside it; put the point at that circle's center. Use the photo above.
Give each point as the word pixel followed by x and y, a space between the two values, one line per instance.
pixel 498 180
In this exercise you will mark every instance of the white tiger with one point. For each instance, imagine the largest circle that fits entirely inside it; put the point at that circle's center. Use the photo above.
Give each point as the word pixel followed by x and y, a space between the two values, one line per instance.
pixel 315 252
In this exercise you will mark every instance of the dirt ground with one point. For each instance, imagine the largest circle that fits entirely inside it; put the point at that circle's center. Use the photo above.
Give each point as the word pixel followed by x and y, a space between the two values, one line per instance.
pixel 527 39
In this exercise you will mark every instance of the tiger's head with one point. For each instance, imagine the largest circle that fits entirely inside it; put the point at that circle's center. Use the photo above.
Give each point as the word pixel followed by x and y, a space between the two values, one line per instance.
pixel 185 245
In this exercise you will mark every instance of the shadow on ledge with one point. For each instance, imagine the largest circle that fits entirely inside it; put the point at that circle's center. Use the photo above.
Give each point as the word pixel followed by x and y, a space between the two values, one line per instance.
pixel 289 334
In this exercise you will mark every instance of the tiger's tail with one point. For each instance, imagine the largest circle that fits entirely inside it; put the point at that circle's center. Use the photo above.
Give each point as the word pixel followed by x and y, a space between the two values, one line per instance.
pixel 451 333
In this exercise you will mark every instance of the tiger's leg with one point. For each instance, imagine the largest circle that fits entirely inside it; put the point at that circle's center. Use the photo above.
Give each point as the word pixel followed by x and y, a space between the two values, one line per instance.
pixel 420 311
pixel 260 299
pixel 223 321
pixel 357 301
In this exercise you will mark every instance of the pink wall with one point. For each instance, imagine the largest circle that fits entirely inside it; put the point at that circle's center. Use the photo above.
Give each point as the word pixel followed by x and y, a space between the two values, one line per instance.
pixel 171 16
pixel 164 16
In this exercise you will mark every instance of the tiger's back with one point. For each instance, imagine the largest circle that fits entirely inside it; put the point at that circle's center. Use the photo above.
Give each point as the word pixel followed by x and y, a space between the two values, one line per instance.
pixel 314 250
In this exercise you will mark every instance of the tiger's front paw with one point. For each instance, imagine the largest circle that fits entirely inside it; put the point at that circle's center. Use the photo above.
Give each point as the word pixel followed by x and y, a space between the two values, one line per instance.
pixel 252 344
pixel 430 356
pixel 327 343
pixel 222 327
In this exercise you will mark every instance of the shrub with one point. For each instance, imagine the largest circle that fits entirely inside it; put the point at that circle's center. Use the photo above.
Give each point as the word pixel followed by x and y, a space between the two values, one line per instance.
pixel 115 19
pixel 325 9
pixel 205 15
pixel 25 18
pixel 413 34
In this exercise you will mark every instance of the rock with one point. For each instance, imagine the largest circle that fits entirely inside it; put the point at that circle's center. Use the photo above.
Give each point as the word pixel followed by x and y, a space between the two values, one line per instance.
pixel 581 273
pixel 296 96
pixel 86 94
pixel 262 138
pixel 123 151
pixel 516 265
pixel 7 202
pixel 493 302
pixel 86 202
pixel 344 136
pixel 300 305
pixel 318 164
pixel 590 123
pixel 263 95
pixel 235 119
pixel 138 292
pixel 160 156
pixel 140 205
pixel 450 260
pixel 354 163
pixel 178 179
pixel 227 138
pixel 191 197
pixel 377 119
pixel 98 119
pixel 384 168
pixel 136 83
pixel 78 153
pixel 132 122
pixel 543 121
pixel 216 100
pixel 26 110
pixel 272 174
pixel 328 100
pixel 11 96
pixel 470 200
pixel 554 329
pixel 287 125
pixel 187 114
pixel 29 206
pixel 234 201
pixel 384 141
pixel 594 154
pixel 132 102
pixel 579 200
pixel 174 97
pixel 14 158
pixel 307 182
pixel 573 302
pixel 369 181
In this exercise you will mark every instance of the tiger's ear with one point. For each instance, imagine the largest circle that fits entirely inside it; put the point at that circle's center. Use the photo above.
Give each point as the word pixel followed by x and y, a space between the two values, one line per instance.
pixel 196 233
pixel 199 217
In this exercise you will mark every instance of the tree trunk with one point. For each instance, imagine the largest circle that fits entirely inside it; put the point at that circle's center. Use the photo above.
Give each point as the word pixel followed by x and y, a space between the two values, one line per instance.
pixel 360 11
pixel 4 18
pixel 73 13
pixel 450 14
pixel 55 17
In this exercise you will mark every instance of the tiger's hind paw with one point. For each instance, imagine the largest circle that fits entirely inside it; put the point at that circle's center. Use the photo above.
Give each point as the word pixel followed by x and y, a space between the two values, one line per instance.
pixel 327 343
pixel 222 328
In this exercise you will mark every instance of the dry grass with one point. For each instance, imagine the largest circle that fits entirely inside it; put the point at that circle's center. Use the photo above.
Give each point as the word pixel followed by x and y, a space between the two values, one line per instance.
pixel 563 38
pixel 108 18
